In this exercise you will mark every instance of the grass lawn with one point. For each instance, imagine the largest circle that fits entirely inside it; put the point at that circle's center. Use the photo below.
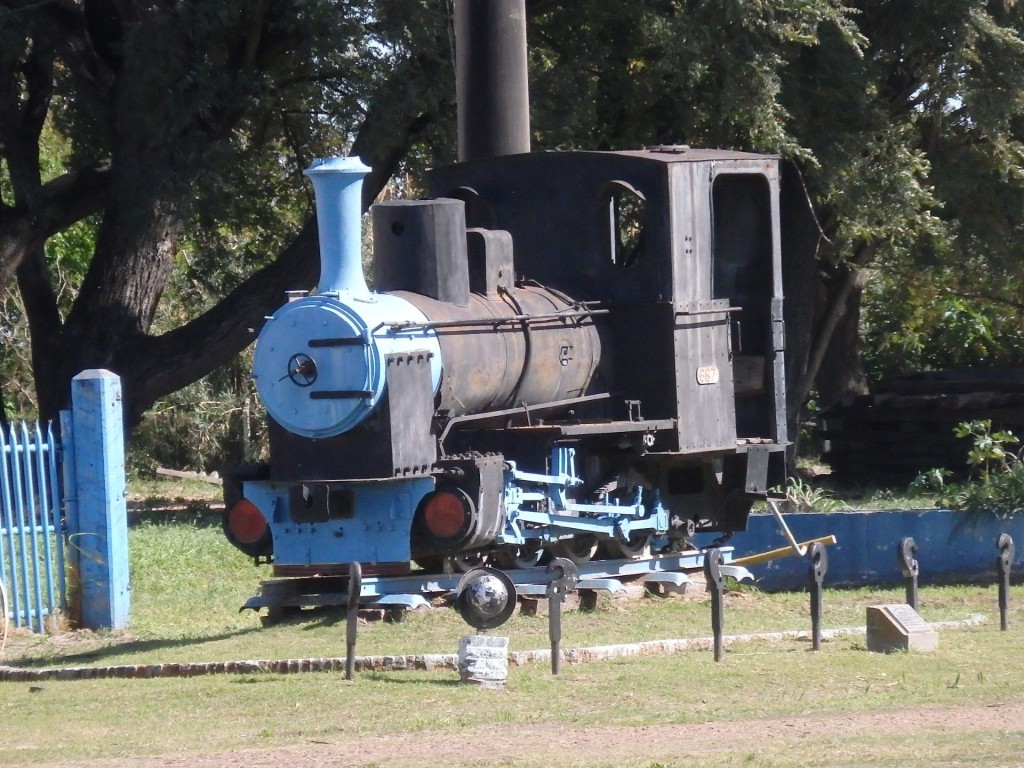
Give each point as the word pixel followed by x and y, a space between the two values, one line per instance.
pixel 765 704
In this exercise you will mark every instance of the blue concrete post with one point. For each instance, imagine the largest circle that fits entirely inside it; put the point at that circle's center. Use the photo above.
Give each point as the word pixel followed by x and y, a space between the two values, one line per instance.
pixel 101 537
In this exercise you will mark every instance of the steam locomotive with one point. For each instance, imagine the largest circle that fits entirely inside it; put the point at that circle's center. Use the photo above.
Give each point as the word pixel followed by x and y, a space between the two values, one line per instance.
pixel 565 352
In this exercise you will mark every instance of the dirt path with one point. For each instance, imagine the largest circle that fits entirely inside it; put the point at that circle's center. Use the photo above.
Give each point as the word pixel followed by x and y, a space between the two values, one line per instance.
pixel 558 745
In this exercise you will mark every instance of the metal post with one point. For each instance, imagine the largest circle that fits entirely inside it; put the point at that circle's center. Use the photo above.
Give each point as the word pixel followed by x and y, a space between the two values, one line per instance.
pixel 71 524
pixel 3 615
pixel 713 562
pixel 818 557
pixel 565 577
pixel 1006 552
pixel 355 590
pixel 906 554
pixel 101 536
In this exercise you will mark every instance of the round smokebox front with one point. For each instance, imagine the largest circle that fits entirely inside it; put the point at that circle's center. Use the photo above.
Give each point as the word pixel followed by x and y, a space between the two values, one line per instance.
pixel 316 368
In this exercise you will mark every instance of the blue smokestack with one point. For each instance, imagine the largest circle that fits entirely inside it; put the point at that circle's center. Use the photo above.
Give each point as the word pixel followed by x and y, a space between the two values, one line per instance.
pixel 338 185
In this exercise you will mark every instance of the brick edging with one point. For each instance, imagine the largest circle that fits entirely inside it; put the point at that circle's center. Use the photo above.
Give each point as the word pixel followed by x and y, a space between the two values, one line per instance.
pixel 424 662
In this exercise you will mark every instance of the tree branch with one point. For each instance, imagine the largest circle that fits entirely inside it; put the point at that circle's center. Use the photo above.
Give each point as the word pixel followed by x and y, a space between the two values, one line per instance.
pixel 163 364
pixel 1001 300
pixel 837 304
pixel 63 21
pixel 58 204
pixel 44 319
pixel 384 156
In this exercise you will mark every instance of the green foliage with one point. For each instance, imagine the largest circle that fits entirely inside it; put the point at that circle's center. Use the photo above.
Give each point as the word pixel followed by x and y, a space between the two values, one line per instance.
pixel 906 121
pixel 68 251
pixel 918 157
pixel 203 427
pixel 989 452
pixel 617 76
pixel 18 399
pixel 809 443
pixel 931 481
pixel 802 496
pixel 912 322
pixel 997 484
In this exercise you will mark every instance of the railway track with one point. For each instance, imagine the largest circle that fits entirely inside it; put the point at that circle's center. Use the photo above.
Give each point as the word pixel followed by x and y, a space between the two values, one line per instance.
pixel 396 595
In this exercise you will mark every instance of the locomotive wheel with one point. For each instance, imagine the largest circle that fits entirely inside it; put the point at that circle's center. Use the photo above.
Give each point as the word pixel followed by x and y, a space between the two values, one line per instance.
pixel 578 549
pixel 469 560
pixel 638 546
pixel 526 556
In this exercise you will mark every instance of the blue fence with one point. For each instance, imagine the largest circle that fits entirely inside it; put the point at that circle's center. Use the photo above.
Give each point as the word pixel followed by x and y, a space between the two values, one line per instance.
pixel 63 522
pixel 31 536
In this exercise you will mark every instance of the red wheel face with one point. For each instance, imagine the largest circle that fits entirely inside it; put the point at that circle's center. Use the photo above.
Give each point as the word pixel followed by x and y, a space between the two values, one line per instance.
pixel 246 523
pixel 445 515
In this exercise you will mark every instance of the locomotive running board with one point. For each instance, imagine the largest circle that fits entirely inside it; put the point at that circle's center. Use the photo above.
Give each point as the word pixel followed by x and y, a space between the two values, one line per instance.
pixel 416 590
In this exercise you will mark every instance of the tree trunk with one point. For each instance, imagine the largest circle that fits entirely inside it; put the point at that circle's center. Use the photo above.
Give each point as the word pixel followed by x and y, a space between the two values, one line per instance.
pixel 837 335
pixel 45 329
pixel 841 374
pixel 116 303
pixel 822 316
pixel 159 365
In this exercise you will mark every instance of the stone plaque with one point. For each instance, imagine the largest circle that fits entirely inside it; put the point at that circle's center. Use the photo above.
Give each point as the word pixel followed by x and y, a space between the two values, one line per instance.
pixel 899 628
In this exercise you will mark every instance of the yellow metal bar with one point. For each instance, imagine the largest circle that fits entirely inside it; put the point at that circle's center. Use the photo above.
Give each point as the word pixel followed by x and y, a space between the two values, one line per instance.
pixel 775 554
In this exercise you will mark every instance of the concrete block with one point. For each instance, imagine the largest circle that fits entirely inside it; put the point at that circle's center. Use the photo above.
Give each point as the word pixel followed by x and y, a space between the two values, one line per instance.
pixel 483 660
pixel 898 628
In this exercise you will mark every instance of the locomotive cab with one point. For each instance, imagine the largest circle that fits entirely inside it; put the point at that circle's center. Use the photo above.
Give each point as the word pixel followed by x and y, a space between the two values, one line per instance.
pixel 681 247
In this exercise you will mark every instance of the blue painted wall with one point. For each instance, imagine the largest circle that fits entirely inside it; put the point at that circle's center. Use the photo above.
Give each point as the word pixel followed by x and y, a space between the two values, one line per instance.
pixel 949 544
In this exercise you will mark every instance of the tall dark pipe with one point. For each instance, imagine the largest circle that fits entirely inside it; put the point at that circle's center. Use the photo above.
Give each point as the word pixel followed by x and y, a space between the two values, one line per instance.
pixel 491 78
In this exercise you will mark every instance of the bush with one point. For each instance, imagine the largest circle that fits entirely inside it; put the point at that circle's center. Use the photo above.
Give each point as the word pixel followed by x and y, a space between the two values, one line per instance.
pixel 997 482
pixel 206 426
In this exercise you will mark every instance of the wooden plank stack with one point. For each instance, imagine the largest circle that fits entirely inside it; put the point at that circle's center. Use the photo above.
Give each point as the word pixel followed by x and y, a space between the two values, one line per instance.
pixel 906 427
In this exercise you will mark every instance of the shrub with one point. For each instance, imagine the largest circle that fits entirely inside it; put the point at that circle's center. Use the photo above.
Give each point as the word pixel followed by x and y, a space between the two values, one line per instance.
pixel 997 481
